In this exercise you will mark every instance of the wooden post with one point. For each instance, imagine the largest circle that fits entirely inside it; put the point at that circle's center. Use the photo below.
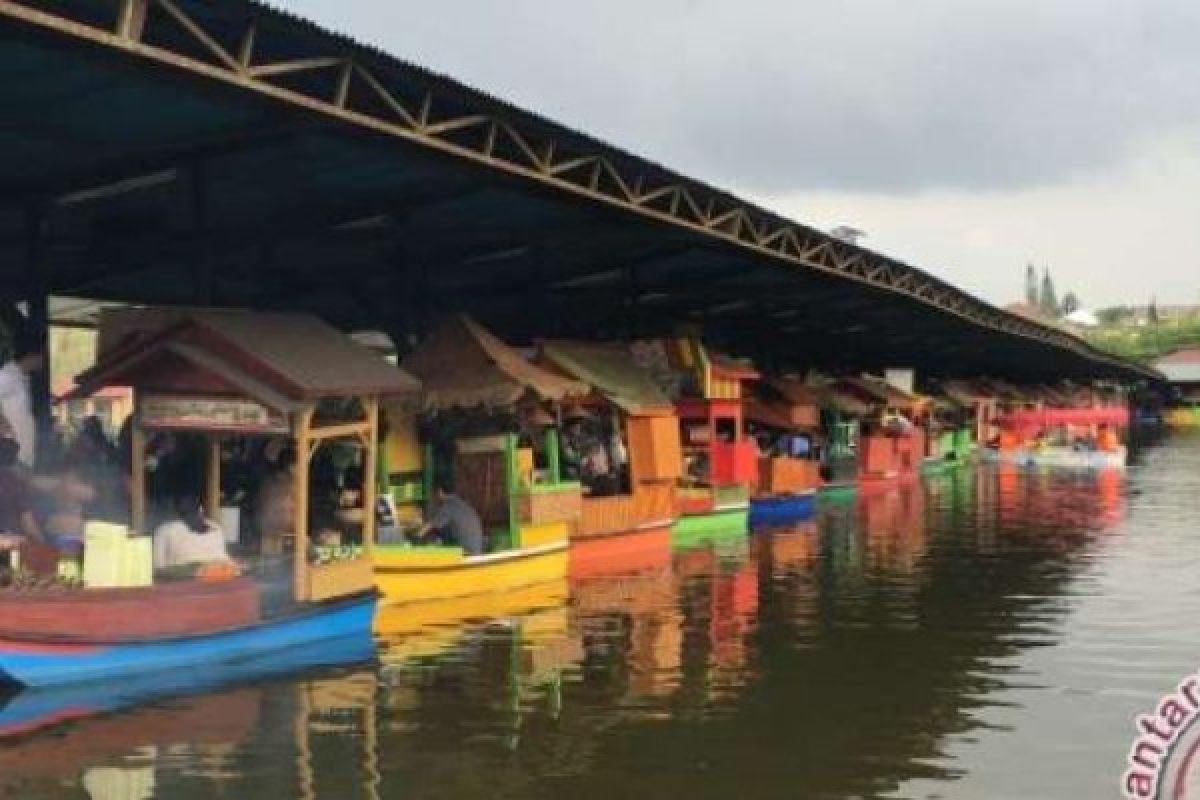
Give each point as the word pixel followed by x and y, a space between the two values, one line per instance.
pixel 303 422
pixel 137 488
pixel 37 296
pixel 427 469
pixel 511 483
pixel 212 487
pixel 370 464
pixel 552 456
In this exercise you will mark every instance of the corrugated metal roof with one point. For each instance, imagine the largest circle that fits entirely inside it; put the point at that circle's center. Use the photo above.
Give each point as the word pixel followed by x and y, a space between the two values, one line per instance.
pixel 124 115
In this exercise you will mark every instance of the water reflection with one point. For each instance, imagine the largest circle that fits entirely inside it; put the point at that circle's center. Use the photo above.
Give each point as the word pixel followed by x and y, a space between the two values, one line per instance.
pixel 856 654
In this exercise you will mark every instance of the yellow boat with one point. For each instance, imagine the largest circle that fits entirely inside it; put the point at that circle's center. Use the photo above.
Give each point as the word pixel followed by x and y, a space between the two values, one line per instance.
pixel 1183 417
pixel 415 574
pixel 409 630
pixel 528 514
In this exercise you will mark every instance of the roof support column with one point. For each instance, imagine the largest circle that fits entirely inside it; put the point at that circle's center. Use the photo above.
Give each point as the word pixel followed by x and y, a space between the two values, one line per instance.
pixel 38 299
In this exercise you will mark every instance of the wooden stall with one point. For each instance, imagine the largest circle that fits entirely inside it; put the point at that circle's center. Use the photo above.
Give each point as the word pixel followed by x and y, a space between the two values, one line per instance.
pixel 893 442
pixel 491 427
pixel 218 375
pixel 789 411
pixel 643 424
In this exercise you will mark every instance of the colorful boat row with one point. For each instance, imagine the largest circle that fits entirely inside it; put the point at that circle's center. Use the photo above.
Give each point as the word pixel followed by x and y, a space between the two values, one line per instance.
pixel 574 455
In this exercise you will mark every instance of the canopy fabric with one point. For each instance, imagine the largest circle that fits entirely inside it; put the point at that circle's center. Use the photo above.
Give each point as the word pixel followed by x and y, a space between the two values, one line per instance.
pixel 725 367
pixel 769 415
pixel 843 402
pixel 885 393
pixel 462 365
pixel 611 371
pixel 1004 391
pixel 962 393
pixel 281 358
pixel 795 392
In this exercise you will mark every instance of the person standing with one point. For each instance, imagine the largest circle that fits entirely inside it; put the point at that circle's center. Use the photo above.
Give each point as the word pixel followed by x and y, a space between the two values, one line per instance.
pixel 23 359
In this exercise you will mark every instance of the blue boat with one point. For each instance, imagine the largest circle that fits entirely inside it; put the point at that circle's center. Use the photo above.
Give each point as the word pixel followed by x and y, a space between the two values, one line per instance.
pixel 47 663
pixel 28 710
pixel 782 509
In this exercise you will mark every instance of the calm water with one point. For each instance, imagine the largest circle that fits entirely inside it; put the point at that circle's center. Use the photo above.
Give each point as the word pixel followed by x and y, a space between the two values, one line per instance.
pixel 985 635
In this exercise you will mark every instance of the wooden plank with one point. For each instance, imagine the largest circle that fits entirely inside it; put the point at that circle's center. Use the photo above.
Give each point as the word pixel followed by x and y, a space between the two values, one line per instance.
pixel 369 488
pixel 342 431
pixel 138 488
pixel 300 501
pixel 212 487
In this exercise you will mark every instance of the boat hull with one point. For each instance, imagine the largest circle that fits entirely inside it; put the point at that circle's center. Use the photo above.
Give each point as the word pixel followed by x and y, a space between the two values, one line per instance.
pixel 782 508
pixel 34 709
pixel 1060 458
pixel 841 491
pixel 1183 417
pixel 691 529
pixel 937 466
pixel 630 551
pixel 39 664
pixel 404 577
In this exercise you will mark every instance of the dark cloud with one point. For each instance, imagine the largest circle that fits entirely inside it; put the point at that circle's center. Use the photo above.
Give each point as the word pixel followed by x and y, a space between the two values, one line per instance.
pixel 865 95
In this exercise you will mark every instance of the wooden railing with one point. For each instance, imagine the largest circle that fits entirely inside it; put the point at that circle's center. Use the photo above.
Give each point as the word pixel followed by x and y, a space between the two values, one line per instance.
pixel 787 475
pixel 649 504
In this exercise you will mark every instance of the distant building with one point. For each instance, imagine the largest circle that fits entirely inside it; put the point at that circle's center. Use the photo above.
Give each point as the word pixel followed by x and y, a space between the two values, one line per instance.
pixel 1082 318
pixel 1182 369
pixel 1026 310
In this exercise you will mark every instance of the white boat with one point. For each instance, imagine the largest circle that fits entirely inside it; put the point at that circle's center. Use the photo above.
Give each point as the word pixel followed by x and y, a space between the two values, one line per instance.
pixel 1059 457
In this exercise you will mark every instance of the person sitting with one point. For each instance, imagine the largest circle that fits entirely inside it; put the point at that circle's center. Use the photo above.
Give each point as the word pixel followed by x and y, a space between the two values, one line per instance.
pixel 455 522
pixel 188 538
pixel 274 506
pixel 17 520
pixel 66 494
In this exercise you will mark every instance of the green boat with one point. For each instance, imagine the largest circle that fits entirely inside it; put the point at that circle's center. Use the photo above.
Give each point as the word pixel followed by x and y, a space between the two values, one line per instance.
pixel 692 530
pixel 838 492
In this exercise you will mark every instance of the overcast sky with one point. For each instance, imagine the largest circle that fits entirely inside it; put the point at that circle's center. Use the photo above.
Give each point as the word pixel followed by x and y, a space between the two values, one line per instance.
pixel 967 138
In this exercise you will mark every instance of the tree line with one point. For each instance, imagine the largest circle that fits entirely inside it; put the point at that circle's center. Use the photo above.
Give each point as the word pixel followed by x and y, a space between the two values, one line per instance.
pixel 1044 297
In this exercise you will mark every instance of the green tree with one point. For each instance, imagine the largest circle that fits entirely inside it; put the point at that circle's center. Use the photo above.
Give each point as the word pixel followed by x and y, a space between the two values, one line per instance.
pixel 1031 285
pixel 1070 303
pixel 1152 312
pixel 1114 315
pixel 1048 298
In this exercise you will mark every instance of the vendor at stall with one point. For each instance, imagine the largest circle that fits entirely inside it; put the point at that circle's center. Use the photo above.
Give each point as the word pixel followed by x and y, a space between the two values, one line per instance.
pixel 455 522
pixel 188 537
pixel 20 358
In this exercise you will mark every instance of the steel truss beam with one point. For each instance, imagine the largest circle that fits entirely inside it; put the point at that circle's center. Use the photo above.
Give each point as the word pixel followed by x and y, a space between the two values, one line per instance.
pixel 370 92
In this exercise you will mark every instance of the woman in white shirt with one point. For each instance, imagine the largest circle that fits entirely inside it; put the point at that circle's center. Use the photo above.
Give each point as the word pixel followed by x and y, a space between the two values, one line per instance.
pixel 20 356
pixel 189 538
